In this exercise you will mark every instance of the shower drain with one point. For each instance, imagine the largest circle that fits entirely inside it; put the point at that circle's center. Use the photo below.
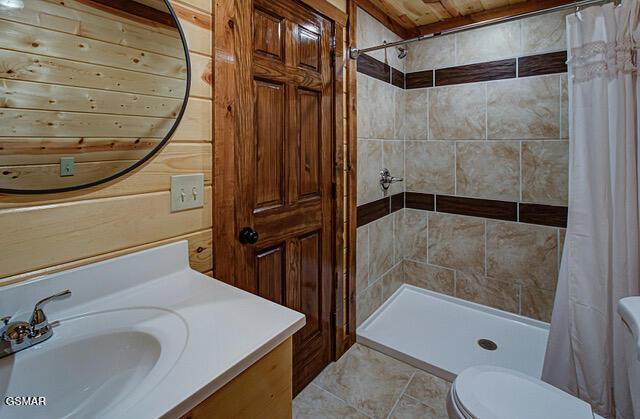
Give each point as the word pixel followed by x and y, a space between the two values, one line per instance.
pixel 487 344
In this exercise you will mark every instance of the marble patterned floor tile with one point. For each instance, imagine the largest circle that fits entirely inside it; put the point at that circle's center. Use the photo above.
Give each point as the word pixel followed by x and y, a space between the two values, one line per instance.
pixel 367 380
pixel 314 402
pixel 410 408
pixel 430 390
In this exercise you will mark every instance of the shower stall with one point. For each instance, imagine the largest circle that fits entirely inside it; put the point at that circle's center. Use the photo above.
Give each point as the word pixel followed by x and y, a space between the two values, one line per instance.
pixel 457 263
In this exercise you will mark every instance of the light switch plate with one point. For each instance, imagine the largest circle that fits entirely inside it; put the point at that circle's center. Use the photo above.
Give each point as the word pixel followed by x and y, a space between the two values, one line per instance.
pixel 187 192
pixel 67 166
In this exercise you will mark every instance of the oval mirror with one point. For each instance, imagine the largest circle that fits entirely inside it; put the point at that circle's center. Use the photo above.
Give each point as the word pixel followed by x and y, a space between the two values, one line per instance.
pixel 89 90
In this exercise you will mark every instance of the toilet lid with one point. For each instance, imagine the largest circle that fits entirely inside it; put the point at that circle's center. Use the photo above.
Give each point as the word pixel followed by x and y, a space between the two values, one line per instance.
pixel 487 392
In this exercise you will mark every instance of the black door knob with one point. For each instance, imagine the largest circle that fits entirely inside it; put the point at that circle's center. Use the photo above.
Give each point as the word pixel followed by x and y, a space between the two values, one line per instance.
pixel 248 236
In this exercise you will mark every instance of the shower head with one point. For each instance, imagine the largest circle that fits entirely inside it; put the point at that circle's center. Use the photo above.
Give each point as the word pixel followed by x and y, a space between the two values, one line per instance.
pixel 402 52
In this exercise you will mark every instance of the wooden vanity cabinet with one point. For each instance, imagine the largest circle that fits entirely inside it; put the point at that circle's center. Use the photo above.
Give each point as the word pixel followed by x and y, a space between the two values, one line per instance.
pixel 264 391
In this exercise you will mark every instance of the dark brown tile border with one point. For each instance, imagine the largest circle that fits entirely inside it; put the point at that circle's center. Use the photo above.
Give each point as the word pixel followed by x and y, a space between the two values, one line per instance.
pixel 497 210
pixel 423 201
pixel 397 78
pixel 538 65
pixel 374 68
pixel 533 65
pixel 397 202
pixel 419 79
pixel 547 215
pixel 493 70
pixel 373 211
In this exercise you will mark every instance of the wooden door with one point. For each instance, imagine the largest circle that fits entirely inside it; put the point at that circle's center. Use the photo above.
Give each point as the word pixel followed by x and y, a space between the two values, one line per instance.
pixel 286 175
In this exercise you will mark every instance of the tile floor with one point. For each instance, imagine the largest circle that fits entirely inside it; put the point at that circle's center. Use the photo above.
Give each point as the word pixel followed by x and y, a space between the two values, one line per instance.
pixel 368 384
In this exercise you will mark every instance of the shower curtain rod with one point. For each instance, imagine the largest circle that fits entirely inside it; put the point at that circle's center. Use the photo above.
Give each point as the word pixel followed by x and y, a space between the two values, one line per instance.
pixel 355 52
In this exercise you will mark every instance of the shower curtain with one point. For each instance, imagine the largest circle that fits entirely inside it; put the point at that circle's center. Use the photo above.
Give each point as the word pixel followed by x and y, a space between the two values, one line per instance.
pixel 585 355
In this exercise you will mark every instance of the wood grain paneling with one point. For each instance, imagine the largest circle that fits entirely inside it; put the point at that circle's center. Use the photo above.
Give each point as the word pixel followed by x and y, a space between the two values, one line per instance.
pixel 308 49
pixel 35 123
pixel 200 256
pixel 151 13
pixel 410 18
pixel 379 12
pixel 48 233
pixel 174 159
pixel 32 67
pixel 35 241
pixel 62 18
pixel 44 42
pixel 309 106
pixel 201 76
pixel 51 97
pixel 310 250
pixel 270 265
pixel 268 36
pixel 197 27
pixel 48 150
pixel 333 9
pixel 303 223
pixel 270 129
pixel 494 70
pixel 346 319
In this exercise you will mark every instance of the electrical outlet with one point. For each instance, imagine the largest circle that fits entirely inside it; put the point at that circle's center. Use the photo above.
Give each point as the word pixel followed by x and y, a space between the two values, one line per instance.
pixel 187 192
pixel 67 166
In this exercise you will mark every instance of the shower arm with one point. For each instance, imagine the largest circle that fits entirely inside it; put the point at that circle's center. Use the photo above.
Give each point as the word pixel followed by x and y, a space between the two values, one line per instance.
pixel 354 53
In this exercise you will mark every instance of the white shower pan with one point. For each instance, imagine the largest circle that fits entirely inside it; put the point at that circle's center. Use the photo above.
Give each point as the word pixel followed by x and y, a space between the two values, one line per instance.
pixel 444 335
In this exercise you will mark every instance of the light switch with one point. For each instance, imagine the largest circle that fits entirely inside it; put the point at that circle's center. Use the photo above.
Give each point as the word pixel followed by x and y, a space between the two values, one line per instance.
pixel 187 192
pixel 67 166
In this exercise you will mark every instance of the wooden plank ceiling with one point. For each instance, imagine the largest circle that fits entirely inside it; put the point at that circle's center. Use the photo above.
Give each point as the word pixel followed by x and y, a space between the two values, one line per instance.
pixel 409 18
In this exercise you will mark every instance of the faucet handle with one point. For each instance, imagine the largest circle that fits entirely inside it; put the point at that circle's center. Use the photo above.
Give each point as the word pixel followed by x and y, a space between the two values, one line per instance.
pixel 38 318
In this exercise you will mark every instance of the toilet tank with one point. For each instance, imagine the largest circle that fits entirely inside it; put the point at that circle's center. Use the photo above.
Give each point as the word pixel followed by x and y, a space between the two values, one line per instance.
pixel 629 310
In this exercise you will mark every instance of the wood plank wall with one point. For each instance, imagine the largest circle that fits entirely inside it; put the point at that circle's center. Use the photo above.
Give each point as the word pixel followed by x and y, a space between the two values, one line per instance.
pixel 47 233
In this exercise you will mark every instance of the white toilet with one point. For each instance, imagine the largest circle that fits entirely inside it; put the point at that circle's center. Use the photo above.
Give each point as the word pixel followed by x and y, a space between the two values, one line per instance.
pixel 489 392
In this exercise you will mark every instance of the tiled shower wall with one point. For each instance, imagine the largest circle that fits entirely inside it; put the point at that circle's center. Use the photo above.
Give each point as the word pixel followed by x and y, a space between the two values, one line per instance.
pixel 479 132
pixel 380 144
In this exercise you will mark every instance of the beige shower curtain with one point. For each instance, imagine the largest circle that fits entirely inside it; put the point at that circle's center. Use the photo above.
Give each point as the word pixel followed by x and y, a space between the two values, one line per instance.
pixel 585 355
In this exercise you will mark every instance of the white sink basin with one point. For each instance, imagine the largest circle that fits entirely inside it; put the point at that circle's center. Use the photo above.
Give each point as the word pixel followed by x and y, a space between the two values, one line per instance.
pixel 94 363
pixel 141 336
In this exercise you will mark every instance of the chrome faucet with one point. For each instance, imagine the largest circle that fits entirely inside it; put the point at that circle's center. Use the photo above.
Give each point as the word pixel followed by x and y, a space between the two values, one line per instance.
pixel 19 335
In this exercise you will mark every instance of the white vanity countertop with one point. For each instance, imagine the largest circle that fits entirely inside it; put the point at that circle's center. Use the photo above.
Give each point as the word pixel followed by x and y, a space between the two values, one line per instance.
pixel 226 329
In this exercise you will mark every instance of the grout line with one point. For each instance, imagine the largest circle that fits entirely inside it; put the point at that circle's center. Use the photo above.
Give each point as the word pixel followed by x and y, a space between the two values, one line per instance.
pixel 486 111
pixel 393 236
pixel 521 173
pixel 455 49
pixel 519 298
pixel 401 394
pixel 455 283
pixel 428 229
pixel 337 397
pixel 430 264
pixel 368 258
pixel 455 170
pixel 486 233
pixel 561 110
